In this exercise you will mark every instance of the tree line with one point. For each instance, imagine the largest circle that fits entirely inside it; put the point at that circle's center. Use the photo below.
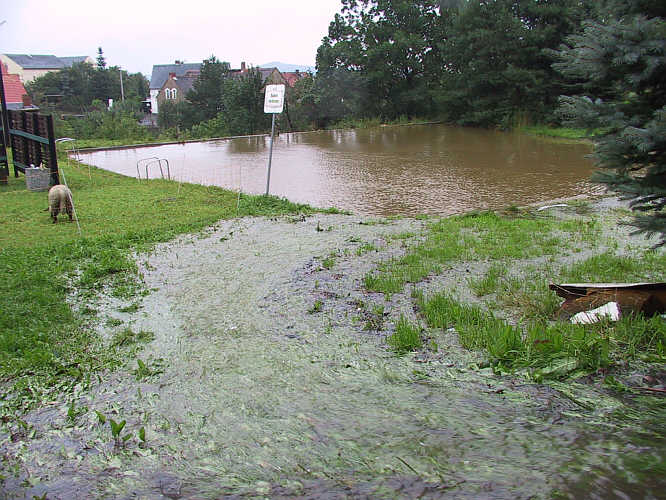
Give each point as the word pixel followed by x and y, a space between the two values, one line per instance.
pixel 478 62
pixel 79 96
pixel 83 87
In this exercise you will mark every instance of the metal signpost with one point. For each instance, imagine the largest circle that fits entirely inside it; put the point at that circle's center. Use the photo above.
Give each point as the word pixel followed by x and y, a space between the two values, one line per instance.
pixel 274 104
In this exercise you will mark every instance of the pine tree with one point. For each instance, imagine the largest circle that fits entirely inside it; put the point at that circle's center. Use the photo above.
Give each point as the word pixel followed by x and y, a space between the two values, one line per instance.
pixel 621 64
pixel 101 61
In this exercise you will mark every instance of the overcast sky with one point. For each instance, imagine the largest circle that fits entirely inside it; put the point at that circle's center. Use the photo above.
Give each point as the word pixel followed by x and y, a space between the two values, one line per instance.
pixel 135 34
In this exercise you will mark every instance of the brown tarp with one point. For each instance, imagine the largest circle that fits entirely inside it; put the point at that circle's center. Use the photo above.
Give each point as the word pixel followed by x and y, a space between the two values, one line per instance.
pixel 648 298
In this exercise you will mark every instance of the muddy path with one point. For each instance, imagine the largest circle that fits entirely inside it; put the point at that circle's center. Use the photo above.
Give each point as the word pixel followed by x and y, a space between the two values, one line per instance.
pixel 269 377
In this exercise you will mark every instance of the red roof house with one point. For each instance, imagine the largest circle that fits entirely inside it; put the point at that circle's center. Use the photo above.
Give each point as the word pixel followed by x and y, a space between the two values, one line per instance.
pixel 15 95
pixel 292 77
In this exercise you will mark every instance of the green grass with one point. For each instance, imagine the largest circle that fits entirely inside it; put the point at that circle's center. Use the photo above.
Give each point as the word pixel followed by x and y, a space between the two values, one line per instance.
pixel 559 132
pixel 477 237
pixel 522 253
pixel 104 143
pixel 607 267
pixel 44 346
pixel 329 261
pixel 407 336
pixel 365 248
pixel 361 123
pixel 489 282
pixel 552 350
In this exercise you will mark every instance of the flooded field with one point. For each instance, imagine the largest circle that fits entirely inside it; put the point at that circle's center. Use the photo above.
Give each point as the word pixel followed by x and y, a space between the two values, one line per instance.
pixel 263 381
pixel 408 170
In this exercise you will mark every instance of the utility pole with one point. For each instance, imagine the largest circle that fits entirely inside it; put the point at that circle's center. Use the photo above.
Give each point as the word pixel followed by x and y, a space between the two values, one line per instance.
pixel 122 92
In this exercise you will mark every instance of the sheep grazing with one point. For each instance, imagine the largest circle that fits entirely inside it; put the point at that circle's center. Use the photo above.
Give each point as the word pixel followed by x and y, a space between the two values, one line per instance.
pixel 60 200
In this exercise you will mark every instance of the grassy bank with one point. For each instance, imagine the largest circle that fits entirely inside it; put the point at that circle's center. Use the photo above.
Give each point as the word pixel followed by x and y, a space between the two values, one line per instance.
pixel 557 132
pixel 504 306
pixel 44 346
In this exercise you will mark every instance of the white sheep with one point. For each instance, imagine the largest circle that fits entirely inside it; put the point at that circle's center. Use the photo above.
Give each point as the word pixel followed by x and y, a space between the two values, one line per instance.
pixel 60 200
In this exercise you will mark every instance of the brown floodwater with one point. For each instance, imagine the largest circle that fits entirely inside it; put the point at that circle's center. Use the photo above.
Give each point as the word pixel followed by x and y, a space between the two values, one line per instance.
pixel 408 170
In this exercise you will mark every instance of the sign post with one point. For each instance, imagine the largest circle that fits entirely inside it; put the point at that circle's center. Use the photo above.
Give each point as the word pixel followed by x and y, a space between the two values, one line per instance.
pixel 274 104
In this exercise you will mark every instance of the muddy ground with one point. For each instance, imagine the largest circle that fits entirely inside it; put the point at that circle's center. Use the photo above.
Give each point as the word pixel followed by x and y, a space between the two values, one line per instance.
pixel 269 377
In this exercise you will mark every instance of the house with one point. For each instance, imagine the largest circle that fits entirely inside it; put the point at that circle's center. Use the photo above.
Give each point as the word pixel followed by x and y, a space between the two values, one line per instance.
pixel 161 73
pixel 30 66
pixel 175 88
pixel 271 76
pixel 172 82
pixel 15 95
pixel 292 77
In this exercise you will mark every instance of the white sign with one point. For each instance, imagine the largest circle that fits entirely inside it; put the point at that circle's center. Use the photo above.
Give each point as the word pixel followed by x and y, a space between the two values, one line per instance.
pixel 274 100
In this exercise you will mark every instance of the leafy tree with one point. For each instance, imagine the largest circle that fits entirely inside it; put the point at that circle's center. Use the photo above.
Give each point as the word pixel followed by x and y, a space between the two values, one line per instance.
pixel 384 45
pixel 135 85
pixel 249 97
pixel 80 84
pixel 207 90
pixel 119 123
pixel 243 104
pixel 497 57
pixel 302 101
pixel 340 93
pixel 171 115
pixel 241 108
pixel 484 81
pixel 623 62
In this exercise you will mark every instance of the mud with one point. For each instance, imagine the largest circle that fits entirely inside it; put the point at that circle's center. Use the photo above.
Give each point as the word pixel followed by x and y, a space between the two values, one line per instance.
pixel 269 377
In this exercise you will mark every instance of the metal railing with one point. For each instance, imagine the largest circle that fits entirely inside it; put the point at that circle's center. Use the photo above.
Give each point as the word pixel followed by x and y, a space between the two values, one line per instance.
pixel 153 160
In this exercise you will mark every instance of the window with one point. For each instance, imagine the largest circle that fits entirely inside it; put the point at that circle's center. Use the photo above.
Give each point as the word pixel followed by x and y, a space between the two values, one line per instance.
pixel 173 93
pixel 167 94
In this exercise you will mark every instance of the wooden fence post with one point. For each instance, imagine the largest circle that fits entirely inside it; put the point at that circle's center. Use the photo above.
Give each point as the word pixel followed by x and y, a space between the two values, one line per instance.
pixel 3 109
pixel 4 164
pixel 53 153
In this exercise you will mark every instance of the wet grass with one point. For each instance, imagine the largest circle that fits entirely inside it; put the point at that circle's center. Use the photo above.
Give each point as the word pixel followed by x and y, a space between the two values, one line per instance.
pixel 524 253
pixel 553 350
pixel 559 132
pixel 546 349
pixel 477 237
pixel 44 345
pixel 407 336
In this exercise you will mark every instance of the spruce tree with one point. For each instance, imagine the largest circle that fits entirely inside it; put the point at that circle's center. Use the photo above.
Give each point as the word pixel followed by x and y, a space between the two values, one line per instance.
pixel 621 64
pixel 101 60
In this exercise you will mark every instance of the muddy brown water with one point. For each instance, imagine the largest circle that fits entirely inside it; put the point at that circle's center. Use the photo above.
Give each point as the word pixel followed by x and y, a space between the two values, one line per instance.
pixel 404 170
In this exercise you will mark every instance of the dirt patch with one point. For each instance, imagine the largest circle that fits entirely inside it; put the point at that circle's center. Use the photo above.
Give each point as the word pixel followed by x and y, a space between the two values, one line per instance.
pixel 269 376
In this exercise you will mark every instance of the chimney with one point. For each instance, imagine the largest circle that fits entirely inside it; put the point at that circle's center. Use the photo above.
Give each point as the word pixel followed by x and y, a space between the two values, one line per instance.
pixel 27 102
pixel 172 75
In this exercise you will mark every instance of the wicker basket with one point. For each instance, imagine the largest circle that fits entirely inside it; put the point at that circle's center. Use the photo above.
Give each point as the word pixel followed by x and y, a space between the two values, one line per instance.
pixel 37 179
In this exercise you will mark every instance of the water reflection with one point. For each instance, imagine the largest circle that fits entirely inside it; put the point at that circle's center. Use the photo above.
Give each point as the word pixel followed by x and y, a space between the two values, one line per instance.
pixel 434 169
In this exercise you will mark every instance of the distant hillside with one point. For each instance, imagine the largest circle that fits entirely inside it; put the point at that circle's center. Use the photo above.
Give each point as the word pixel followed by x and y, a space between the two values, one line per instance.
pixel 289 68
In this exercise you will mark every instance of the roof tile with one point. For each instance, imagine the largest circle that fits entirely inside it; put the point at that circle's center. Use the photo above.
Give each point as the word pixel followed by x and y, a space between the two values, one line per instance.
pixel 14 89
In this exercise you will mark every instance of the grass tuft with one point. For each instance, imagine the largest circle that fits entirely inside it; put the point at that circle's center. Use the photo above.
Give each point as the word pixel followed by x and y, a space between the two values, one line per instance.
pixel 407 336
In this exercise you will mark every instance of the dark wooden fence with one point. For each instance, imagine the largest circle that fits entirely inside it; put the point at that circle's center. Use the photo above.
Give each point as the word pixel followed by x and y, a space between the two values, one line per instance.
pixel 32 140
pixel 4 166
